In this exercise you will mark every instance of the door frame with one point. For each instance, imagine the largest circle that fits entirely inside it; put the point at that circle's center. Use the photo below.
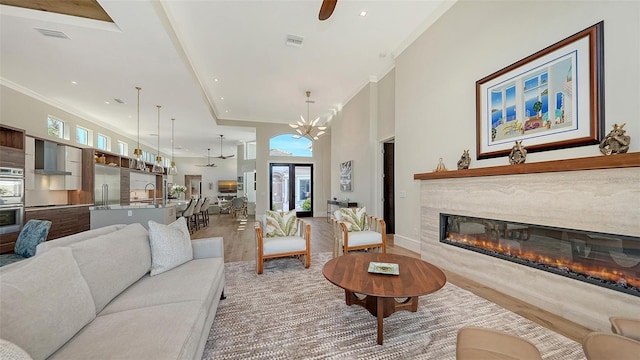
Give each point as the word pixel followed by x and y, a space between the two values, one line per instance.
pixel 292 185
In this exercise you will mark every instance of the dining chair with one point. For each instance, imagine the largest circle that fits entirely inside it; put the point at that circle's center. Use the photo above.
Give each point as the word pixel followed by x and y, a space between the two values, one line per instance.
pixel 196 211
pixel 238 206
pixel 187 214
pixel 204 211
pixel 225 206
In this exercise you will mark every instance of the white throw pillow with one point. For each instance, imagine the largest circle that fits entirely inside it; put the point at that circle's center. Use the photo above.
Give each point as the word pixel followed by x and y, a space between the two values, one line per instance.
pixel 170 245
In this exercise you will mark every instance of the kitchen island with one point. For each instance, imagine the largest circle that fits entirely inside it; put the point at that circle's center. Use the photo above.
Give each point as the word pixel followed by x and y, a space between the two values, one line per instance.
pixel 130 214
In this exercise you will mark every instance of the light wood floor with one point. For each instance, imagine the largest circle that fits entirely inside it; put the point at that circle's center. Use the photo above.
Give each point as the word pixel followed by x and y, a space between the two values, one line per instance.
pixel 239 245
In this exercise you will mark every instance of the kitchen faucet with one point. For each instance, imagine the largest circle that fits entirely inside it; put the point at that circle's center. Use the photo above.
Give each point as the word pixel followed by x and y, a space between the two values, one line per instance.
pixel 154 191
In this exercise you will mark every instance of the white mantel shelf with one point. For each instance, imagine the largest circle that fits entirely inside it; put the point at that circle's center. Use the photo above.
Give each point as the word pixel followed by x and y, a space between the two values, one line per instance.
pixel 586 163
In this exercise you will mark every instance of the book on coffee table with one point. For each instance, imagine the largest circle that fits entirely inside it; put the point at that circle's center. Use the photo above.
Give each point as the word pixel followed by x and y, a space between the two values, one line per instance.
pixel 384 268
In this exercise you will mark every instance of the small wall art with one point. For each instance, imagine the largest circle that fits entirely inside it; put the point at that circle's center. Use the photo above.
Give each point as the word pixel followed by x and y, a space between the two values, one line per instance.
pixel 345 176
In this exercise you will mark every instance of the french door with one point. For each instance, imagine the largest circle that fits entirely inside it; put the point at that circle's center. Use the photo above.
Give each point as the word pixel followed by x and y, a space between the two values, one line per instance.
pixel 291 188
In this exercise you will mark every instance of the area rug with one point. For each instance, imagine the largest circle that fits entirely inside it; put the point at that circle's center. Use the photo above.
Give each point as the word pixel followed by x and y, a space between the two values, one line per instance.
pixel 290 312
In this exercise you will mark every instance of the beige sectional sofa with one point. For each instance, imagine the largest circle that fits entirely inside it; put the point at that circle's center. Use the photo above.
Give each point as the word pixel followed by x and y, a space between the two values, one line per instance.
pixel 90 296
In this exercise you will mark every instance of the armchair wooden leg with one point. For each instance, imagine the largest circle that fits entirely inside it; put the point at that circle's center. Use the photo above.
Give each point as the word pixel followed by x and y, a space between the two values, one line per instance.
pixel 260 265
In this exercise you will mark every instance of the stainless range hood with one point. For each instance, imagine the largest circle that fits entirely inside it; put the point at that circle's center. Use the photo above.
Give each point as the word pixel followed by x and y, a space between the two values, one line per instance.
pixel 47 158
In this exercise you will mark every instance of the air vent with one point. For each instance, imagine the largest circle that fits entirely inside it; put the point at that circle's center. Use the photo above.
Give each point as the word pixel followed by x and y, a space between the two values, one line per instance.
pixel 294 40
pixel 53 33
pixel 119 101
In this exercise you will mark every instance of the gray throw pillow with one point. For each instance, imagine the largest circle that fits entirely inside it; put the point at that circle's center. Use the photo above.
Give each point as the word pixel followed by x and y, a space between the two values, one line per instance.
pixel 170 245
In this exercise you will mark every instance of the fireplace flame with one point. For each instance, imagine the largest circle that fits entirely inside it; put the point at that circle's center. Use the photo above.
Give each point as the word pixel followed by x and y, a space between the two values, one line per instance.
pixel 604 273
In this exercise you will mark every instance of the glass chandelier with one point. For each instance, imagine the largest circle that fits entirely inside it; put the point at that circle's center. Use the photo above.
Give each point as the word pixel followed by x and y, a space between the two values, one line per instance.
pixel 138 162
pixel 157 166
pixel 173 169
pixel 307 128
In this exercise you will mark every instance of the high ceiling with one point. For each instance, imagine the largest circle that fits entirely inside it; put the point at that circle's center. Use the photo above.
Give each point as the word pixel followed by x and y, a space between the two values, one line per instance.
pixel 205 61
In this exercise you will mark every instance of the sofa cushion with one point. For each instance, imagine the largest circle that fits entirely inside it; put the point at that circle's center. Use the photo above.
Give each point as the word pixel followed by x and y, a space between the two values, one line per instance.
pixel 170 245
pixel 358 238
pixel 110 263
pixel 205 276
pixel 81 236
pixel 168 331
pixel 44 302
pixel 11 351
pixel 355 219
pixel 33 233
pixel 280 224
pixel 283 244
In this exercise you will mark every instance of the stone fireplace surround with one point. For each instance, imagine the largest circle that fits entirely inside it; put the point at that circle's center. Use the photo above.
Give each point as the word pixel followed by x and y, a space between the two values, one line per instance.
pixel 591 194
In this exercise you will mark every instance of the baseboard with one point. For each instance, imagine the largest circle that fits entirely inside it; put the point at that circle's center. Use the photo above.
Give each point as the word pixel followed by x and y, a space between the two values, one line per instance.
pixel 407 243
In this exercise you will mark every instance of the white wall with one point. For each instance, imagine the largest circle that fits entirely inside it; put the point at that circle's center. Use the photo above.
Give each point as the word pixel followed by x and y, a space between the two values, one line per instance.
pixel 436 75
pixel 30 114
pixel 320 160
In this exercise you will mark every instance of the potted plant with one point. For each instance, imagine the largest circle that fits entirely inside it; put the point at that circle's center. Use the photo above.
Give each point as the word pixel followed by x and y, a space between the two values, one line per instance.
pixel 537 107
pixel 179 191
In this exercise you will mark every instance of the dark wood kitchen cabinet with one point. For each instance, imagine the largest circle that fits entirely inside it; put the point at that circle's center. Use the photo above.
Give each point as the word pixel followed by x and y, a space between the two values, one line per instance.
pixel 64 221
pixel 11 147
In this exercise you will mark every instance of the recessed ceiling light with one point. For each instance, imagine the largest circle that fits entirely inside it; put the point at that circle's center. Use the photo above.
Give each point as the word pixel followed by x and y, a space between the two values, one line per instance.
pixel 226 111
pixel 363 13
pixel 221 97
pixel 215 79
pixel 106 102
pixel 74 82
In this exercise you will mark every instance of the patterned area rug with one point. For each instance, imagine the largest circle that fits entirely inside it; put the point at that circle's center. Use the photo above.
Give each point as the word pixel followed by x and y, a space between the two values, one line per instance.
pixel 290 312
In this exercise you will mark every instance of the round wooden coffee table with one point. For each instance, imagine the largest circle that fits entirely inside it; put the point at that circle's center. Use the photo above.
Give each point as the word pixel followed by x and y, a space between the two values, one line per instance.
pixel 416 277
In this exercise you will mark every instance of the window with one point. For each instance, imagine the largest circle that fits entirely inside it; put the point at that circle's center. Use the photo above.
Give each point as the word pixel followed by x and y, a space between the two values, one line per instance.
pixel 104 142
pixel 287 145
pixel 82 135
pixel 55 127
pixel 250 150
pixel 123 148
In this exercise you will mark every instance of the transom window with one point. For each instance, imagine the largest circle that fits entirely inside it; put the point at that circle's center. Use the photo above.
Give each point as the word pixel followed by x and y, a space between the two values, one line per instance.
pixel 83 136
pixel 287 145
pixel 123 148
pixel 55 127
pixel 104 142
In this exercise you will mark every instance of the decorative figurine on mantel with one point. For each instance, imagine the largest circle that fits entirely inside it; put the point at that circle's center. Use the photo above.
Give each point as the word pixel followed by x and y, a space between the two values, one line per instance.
pixel 518 154
pixel 464 161
pixel 616 142
pixel 440 167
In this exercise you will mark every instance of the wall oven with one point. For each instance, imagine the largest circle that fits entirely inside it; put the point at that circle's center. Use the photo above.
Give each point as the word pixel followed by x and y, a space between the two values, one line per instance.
pixel 11 199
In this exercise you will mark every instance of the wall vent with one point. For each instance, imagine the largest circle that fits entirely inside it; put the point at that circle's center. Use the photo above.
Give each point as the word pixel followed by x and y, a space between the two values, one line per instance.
pixel 294 40
pixel 53 33
pixel 119 101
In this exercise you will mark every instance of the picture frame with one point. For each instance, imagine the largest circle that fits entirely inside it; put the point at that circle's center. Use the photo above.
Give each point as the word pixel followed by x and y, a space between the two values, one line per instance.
pixel 240 186
pixel 549 100
pixel 345 175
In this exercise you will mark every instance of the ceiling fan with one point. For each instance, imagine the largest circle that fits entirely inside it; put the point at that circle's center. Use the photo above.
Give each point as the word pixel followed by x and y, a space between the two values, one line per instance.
pixel 327 9
pixel 209 163
pixel 223 156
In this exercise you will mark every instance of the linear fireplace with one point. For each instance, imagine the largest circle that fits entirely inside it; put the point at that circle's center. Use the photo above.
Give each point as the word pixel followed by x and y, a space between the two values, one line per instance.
pixel 607 260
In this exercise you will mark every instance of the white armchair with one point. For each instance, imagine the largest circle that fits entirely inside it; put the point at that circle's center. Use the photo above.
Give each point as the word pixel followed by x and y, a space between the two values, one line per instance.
pixel 286 240
pixel 354 230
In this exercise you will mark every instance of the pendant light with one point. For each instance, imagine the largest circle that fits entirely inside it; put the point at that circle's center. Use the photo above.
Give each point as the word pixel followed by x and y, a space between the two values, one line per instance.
pixel 157 166
pixel 173 169
pixel 307 128
pixel 138 163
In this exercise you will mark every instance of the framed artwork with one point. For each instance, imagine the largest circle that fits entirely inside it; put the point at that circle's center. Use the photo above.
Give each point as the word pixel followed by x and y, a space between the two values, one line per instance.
pixel 345 176
pixel 240 186
pixel 552 99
